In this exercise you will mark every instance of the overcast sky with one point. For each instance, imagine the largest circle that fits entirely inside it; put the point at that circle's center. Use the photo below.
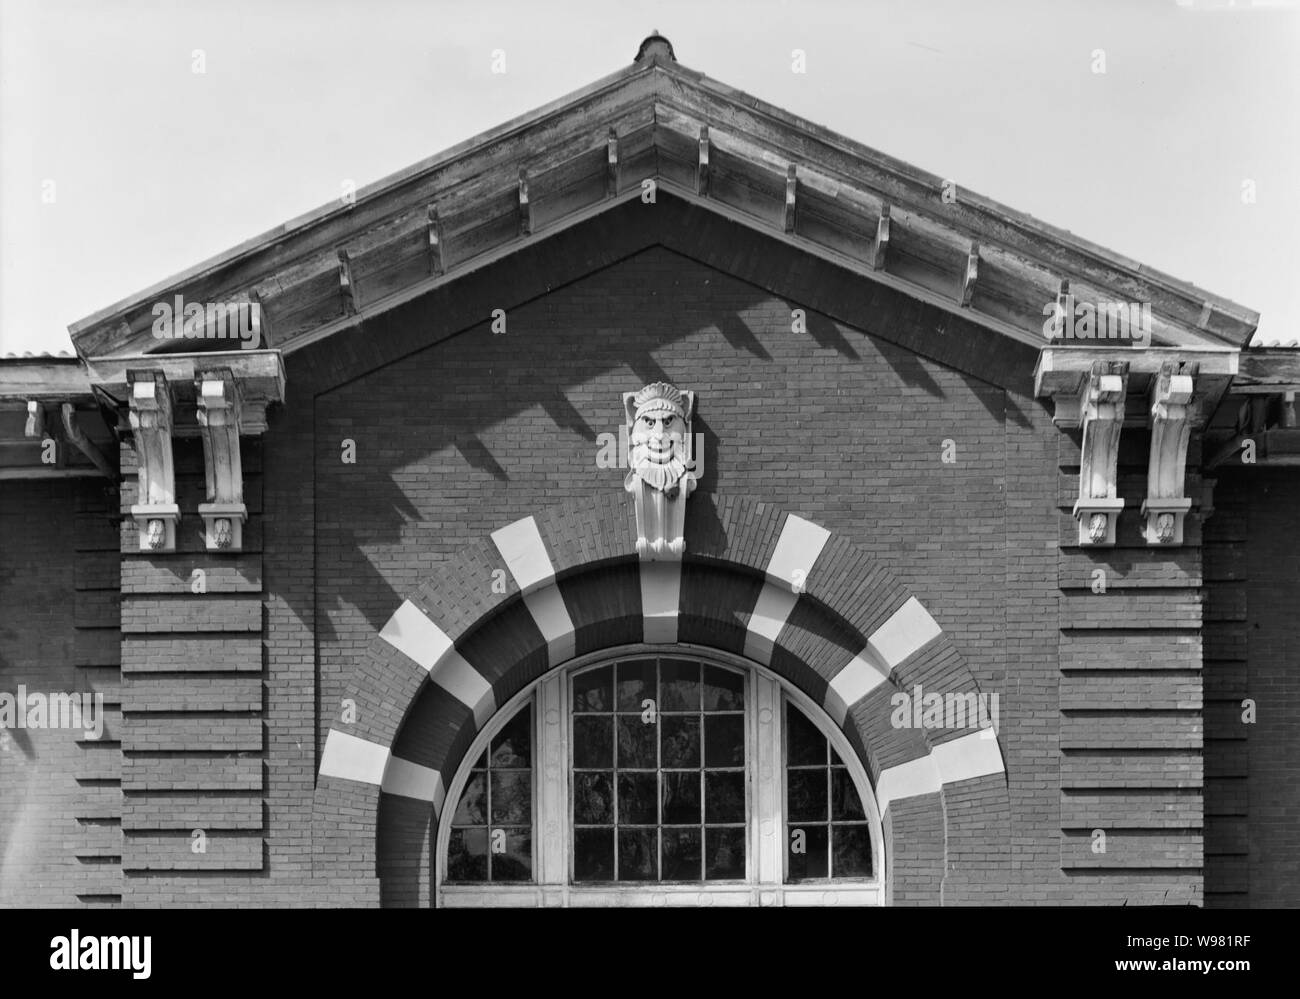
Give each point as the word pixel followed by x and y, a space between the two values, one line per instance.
pixel 155 167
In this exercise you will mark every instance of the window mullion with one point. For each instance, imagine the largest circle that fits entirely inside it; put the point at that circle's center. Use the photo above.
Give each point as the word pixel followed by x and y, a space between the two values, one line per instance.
pixel 551 767
pixel 768 771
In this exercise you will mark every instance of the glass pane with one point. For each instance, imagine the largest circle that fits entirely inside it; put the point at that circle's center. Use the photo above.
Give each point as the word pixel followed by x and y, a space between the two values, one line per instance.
pixel 724 797
pixel 593 798
pixel 472 810
pixel 804 744
pixel 807 852
pixel 636 743
pixel 679 687
pixel 512 797
pixel 594 690
pixel 724 740
pixel 636 683
pixel 512 854
pixel 681 741
pixel 513 747
pixel 682 797
pixel 681 854
pixel 593 741
pixel 723 690
pixel 482 762
pixel 851 852
pixel 467 855
pixel 724 853
pixel 638 854
pixel 806 795
pixel 845 803
pixel 637 794
pixel 593 855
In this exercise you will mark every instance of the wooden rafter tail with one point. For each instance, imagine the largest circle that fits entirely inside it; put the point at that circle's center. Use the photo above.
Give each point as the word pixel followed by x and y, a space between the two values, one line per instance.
pixel 436 265
pixel 972 274
pixel 260 320
pixel 1064 309
pixel 35 425
pixel 525 205
pixel 347 290
pixel 880 249
pixel 791 196
pixel 611 164
pixel 702 170
pixel 83 444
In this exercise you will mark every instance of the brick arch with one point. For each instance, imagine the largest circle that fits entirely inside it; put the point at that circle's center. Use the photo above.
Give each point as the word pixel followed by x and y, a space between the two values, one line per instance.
pixel 564 582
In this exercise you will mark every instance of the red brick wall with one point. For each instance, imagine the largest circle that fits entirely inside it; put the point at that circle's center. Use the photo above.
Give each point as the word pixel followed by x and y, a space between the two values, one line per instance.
pixel 459 439
pixel 1253 770
pixel 60 826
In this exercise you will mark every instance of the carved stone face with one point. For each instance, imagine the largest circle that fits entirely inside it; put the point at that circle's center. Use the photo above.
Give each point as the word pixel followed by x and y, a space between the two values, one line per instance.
pixel 656 438
pixel 658 442
pixel 1165 527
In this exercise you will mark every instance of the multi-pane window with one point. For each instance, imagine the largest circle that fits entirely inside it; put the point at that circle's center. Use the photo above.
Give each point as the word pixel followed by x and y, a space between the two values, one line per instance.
pixel 492 827
pixel 659 778
pixel 828 835
pixel 658 775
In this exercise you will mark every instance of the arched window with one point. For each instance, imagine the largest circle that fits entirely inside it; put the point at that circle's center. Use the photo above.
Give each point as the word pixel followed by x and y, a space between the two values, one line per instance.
pixel 659 778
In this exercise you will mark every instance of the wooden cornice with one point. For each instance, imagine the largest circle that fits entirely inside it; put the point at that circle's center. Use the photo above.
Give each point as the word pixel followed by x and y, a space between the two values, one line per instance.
pixel 661 122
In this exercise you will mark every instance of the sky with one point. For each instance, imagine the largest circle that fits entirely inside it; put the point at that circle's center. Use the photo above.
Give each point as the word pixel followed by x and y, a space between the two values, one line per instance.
pixel 139 137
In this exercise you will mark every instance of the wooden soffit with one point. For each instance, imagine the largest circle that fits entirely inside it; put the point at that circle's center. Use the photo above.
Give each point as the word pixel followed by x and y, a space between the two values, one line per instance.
pixel 658 125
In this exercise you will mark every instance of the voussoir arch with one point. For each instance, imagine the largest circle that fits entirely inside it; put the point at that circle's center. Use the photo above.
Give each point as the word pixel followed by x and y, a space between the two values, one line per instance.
pixel 756 581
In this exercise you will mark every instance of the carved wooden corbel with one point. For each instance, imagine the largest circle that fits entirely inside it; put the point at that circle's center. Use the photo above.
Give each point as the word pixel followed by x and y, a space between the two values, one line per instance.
pixel 219 415
pixel 1165 506
pixel 150 416
pixel 1101 414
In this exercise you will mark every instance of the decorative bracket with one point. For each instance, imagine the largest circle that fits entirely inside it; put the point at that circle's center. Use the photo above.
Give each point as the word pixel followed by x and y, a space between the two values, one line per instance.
pixel 347 289
pixel 219 412
pixel 35 425
pixel 971 276
pixel 702 168
pixel 434 226
pixel 525 205
pixel 1165 506
pixel 611 164
pixel 791 198
pixel 663 469
pixel 150 415
pixel 1101 414
pixel 74 434
pixel 880 248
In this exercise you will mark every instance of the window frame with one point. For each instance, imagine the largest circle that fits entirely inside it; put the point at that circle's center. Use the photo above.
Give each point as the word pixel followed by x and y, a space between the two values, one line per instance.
pixel 766 862
pixel 496 725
